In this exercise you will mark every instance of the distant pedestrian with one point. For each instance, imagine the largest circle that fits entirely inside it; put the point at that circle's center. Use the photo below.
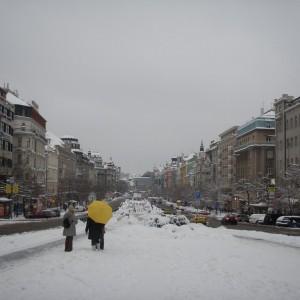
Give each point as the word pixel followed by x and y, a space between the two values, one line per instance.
pixel 70 232
pixel 95 233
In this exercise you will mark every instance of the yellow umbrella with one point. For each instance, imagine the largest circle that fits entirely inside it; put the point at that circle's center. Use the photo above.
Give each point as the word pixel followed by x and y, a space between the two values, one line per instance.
pixel 100 211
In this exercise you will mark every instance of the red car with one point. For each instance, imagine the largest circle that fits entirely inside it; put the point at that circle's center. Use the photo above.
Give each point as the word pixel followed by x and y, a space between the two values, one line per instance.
pixel 229 219
pixel 40 214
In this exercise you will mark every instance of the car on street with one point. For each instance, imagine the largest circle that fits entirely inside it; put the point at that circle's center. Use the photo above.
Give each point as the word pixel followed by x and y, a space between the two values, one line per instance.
pixel 257 218
pixel 40 214
pixel 202 219
pixel 288 221
pixel 270 219
pixel 229 219
pixel 80 208
pixel 203 212
pixel 243 218
pixel 55 212
pixel 168 211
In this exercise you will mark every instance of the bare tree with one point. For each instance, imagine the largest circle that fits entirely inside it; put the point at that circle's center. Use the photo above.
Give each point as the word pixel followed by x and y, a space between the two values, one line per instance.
pixel 288 188
pixel 247 188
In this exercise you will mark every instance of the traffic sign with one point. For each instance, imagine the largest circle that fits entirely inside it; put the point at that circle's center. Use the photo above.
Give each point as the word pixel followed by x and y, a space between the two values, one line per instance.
pixel 197 195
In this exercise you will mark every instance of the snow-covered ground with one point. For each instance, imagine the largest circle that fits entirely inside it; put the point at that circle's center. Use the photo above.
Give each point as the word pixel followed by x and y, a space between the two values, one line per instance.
pixel 143 262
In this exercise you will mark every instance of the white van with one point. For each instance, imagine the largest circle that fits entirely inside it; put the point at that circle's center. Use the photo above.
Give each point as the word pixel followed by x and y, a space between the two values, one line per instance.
pixel 288 221
pixel 257 218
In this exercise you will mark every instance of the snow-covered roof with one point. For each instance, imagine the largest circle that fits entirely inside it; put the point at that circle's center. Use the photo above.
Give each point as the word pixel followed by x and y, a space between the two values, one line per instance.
pixel 15 100
pixel 96 154
pixel 191 156
pixel 69 137
pixel 54 140
pixel 77 151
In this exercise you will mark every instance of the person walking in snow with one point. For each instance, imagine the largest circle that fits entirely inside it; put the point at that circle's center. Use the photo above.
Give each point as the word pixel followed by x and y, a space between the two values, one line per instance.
pixel 70 232
pixel 95 233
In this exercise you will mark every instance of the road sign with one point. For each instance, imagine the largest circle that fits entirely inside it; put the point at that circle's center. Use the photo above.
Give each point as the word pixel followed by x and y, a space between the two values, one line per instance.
pixel 197 195
pixel 15 189
pixel 8 189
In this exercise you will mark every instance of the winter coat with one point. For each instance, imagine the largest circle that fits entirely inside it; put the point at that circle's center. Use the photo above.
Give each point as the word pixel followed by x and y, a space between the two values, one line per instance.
pixel 95 230
pixel 71 231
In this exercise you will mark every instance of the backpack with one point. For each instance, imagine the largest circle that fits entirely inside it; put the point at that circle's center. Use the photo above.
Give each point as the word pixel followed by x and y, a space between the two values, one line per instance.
pixel 67 223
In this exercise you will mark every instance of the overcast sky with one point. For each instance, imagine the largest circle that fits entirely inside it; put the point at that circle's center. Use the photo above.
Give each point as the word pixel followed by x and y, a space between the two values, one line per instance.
pixel 143 81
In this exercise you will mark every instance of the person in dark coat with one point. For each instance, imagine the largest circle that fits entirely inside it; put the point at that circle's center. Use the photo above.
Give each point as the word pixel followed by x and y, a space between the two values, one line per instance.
pixel 95 233
pixel 70 232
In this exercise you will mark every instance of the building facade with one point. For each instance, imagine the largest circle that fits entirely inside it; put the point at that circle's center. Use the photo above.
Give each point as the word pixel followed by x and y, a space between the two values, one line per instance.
pixel 7 112
pixel 29 141
pixel 226 160
pixel 287 116
pixel 255 150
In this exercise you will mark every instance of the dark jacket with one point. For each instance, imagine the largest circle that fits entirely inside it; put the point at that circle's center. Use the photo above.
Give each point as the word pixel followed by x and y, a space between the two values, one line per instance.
pixel 95 230
pixel 71 231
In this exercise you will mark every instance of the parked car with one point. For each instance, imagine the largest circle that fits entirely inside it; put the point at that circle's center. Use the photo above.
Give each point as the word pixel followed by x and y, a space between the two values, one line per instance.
pixel 55 212
pixel 243 218
pixel 168 211
pixel 288 221
pixel 229 219
pixel 40 214
pixel 203 212
pixel 80 208
pixel 257 218
pixel 199 219
pixel 270 219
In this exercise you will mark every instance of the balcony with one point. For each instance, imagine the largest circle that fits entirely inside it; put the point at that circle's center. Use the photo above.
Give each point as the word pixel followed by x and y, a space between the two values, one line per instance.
pixel 254 144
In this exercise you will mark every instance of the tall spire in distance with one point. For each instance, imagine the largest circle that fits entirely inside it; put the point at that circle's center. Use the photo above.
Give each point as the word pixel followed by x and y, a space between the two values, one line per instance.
pixel 201 147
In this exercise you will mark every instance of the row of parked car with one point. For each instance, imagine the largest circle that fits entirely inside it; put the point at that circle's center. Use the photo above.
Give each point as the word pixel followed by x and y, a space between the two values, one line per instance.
pixel 50 213
pixel 44 214
pixel 266 219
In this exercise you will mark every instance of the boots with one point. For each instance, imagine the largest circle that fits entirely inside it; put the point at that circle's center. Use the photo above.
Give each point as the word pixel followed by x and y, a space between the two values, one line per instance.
pixel 94 247
pixel 98 246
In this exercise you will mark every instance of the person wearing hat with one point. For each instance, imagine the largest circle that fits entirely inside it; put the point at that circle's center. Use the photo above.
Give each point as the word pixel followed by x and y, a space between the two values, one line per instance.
pixel 70 232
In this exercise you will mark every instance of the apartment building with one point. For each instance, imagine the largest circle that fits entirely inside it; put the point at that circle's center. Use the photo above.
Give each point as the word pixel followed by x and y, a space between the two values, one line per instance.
pixel 287 117
pixel 226 160
pixel 7 112
pixel 29 141
pixel 255 149
pixel 214 168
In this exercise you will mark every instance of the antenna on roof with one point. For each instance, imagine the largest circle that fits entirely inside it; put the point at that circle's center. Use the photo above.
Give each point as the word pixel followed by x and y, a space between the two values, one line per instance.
pixel 262 110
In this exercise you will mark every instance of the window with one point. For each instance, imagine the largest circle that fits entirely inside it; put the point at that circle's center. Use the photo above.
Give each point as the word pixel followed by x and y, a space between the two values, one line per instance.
pixel 296 121
pixel 270 154
pixel 292 142
pixel 296 141
pixel 19 142
pixel 28 143
pixel 19 159
pixel 291 123
pixel 269 170
pixel 288 143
